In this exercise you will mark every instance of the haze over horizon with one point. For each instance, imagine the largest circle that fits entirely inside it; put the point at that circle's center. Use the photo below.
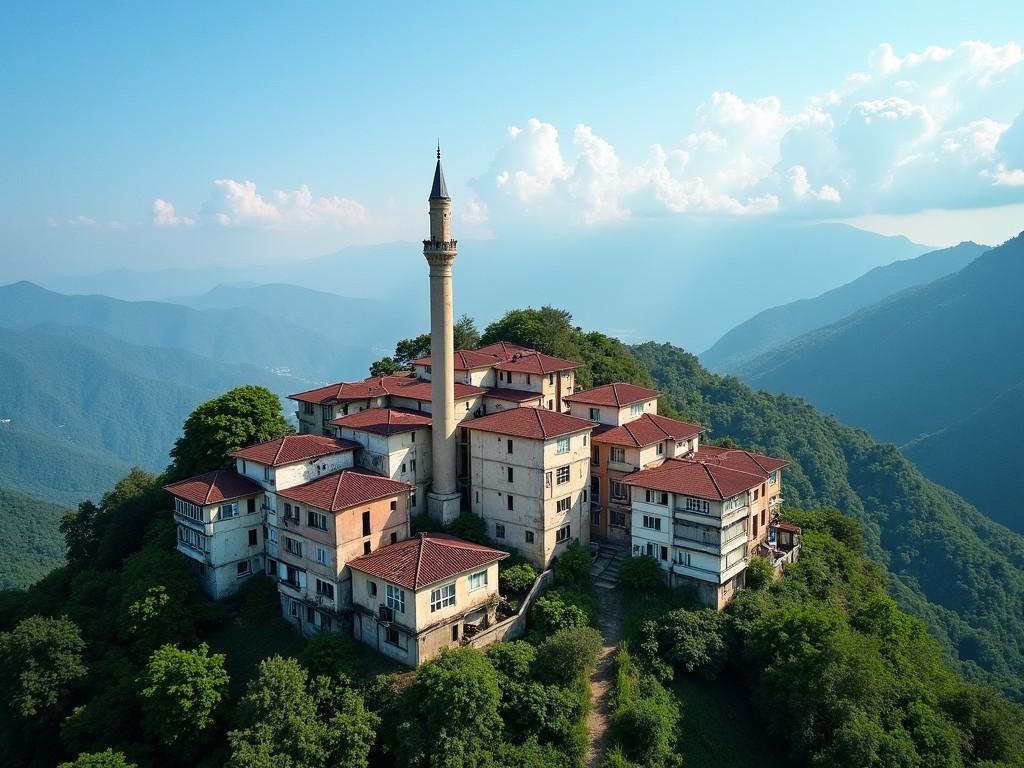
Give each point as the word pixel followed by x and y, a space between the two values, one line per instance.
pixel 266 140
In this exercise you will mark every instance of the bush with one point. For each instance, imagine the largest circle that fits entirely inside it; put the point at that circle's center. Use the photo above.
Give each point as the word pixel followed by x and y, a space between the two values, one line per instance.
pixel 517 579
pixel 642 575
pixel 107 759
pixel 568 654
pixel 333 654
pixel 691 641
pixel 551 612
pixel 512 660
pixel 259 600
pixel 760 573
pixel 469 527
pixel 572 567
pixel 646 728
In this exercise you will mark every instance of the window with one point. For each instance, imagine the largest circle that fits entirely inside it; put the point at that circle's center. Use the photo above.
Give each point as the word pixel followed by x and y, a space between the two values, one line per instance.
pixel 617 519
pixel 773 478
pixel 272 535
pixel 391 635
pixel 551 378
pixel 499 531
pixel 584 495
pixel 664 553
pixel 595 456
pixel 510 502
pixel 316 519
pixel 563 505
pixel 562 534
pixel 267 475
pixel 508 446
pixel 442 597
pixel 366 547
pixel 656 497
pixel 191 538
pixel 394 537
pixel 412 437
pixel 562 446
pixel 455 633
pixel 229 510
pixel 394 598
pixel 244 568
pixel 294 546
pixel 403 467
pixel 618 455
pixel 595 414
pixel 250 506
pixel 272 568
pixel 562 475
pixel 325 588
pixel 188 509
pixel 254 537
pixel 371 588
pixel 660 450
pixel 757 494
pixel 652 523
pixel 477 580
pixel 366 523
pixel 697 505
pixel 508 473
pixel 529 537
pixel 394 505
pixel 327 412
pixel 595 516
pixel 321 556
pixel 636 409
pixel 307 408
pixel 528 380
pixel 618 491
pixel 762 489
pixel 762 517
pixel 754 527
pixel 547 479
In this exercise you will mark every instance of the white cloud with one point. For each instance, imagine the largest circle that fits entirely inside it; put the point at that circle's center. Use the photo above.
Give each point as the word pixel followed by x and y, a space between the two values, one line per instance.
pixel 82 222
pixel 239 204
pixel 918 129
pixel 164 215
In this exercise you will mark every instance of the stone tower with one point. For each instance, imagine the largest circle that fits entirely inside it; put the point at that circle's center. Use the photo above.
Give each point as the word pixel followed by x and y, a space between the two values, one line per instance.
pixel 443 500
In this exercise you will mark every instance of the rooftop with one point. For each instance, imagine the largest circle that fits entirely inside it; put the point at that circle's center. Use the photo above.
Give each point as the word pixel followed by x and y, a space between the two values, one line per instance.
pixel 737 458
pixel 384 421
pixel 345 489
pixel 378 386
pixel 425 559
pixel 214 487
pixel 530 422
pixel 512 395
pixel 293 448
pixel 535 362
pixel 484 357
pixel 714 473
pixel 617 395
pixel 647 430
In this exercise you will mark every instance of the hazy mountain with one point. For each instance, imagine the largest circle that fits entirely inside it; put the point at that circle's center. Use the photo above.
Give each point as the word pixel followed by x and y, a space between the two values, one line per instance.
pixel 976 455
pixel 688 281
pixel 778 325
pixel 228 335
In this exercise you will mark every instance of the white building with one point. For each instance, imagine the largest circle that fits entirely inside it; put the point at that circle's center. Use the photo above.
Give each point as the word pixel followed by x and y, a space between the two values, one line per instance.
pixel 219 528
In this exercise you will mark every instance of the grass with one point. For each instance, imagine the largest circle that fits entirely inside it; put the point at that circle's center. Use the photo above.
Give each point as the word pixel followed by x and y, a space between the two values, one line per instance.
pixel 719 728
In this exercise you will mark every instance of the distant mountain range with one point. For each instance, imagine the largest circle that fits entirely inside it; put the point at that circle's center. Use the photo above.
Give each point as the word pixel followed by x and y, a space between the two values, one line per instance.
pixel 937 368
pixel 684 281
pixel 774 327
pixel 31 541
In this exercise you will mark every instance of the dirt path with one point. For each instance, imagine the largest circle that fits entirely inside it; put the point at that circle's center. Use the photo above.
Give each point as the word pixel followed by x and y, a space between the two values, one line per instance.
pixel 602 679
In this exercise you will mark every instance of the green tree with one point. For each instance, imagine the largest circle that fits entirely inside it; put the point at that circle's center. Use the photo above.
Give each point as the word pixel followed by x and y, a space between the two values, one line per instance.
pixel 568 654
pixel 386 366
pixel 465 333
pixel 691 641
pixel 41 658
pixel 182 693
pixel 550 612
pixel 760 573
pixel 642 575
pixel 407 350
pixel 456 698
pixel 572 567
pixel 240 417
pixel 517 579
pixel 79 528
pixel 106 759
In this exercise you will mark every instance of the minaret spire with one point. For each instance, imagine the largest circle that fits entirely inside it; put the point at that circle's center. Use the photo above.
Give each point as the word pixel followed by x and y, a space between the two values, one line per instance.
pixel 444 499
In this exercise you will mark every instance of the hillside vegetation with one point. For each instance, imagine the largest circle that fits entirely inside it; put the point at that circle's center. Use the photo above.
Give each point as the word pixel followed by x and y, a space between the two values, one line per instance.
pixel 773 327
pixel 31 530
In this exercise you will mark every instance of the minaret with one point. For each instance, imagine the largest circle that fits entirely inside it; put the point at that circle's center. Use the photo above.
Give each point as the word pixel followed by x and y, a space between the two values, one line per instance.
pixel 443 500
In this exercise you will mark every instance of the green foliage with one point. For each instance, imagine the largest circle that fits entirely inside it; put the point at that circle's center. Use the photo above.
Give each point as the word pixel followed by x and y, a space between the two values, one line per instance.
pixel 41 658
pixel 240 417
pixel 517 579
pixel 30 542
pixel 466 336
pixel 512 661
pixel 572 567
pixel 557 609
pixel 760 573
pixel 644 718
pixel 183 692
pixel 290 720
pixel 333 654
pixel 106 759
pixel 386 366
pixel 456 699
pixel 408 350
pixel 568 654
pixel 642 575
pixel 691 641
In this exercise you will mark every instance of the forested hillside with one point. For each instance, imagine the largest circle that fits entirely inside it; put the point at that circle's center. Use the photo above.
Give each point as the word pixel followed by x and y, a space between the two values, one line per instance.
pixel 33 543
pixel 775 326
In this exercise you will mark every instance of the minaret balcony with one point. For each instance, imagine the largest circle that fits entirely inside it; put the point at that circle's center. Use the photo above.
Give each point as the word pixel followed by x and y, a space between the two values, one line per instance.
pixel 440 245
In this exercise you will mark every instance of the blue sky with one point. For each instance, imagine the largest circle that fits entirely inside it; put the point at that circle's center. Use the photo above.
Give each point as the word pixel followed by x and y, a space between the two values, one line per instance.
pixel 145 135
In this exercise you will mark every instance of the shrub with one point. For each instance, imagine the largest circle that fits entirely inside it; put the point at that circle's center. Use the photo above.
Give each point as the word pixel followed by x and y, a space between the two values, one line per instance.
pixel 333 654
pixel 642 575
pixel 107 759
pixel 572 567
pixel 692 641
pixel 760 573
pixel 512 660
pixel 259 601
pixel 551 612
pixel 646 729
pixel 568 654
pixel 517 579
pixel 469 527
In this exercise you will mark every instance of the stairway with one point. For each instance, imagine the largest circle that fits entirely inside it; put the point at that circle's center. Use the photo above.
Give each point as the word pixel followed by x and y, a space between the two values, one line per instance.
pixel 604 569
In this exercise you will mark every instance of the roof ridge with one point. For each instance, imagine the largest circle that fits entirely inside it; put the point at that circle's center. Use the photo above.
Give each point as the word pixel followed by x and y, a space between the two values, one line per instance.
pixel 714 482
pixel 213 484
pixel 419 561
pixel 280 447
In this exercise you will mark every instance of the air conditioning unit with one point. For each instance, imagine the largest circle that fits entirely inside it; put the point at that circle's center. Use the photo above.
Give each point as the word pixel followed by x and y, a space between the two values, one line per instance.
pixel 386 614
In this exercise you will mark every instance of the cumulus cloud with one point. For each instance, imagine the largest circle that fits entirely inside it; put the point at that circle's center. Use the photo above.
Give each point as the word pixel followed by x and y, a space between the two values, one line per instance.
pixel 916 129
pixel 164 215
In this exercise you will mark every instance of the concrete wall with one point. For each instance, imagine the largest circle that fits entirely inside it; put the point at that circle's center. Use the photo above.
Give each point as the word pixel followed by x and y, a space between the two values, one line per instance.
pixel 387 454
pixel 514 626
pixel 290 475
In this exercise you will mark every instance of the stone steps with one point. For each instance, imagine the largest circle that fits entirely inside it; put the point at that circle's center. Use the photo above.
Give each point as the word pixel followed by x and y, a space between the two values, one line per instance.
pixel 604 569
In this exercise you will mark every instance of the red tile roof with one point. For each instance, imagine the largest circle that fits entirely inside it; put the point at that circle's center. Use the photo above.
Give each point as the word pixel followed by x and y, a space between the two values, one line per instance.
pixel 535 362
pixel 214 487
pixel 529 422
pixel 737 458
pixel 512 395
pixel 345 489
pixel 384 421
pixel 425 559
pixel 378 386
pixel 695 478
pixel 292 448
pixel 615 395
pixel 484 357
pixel 647 430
